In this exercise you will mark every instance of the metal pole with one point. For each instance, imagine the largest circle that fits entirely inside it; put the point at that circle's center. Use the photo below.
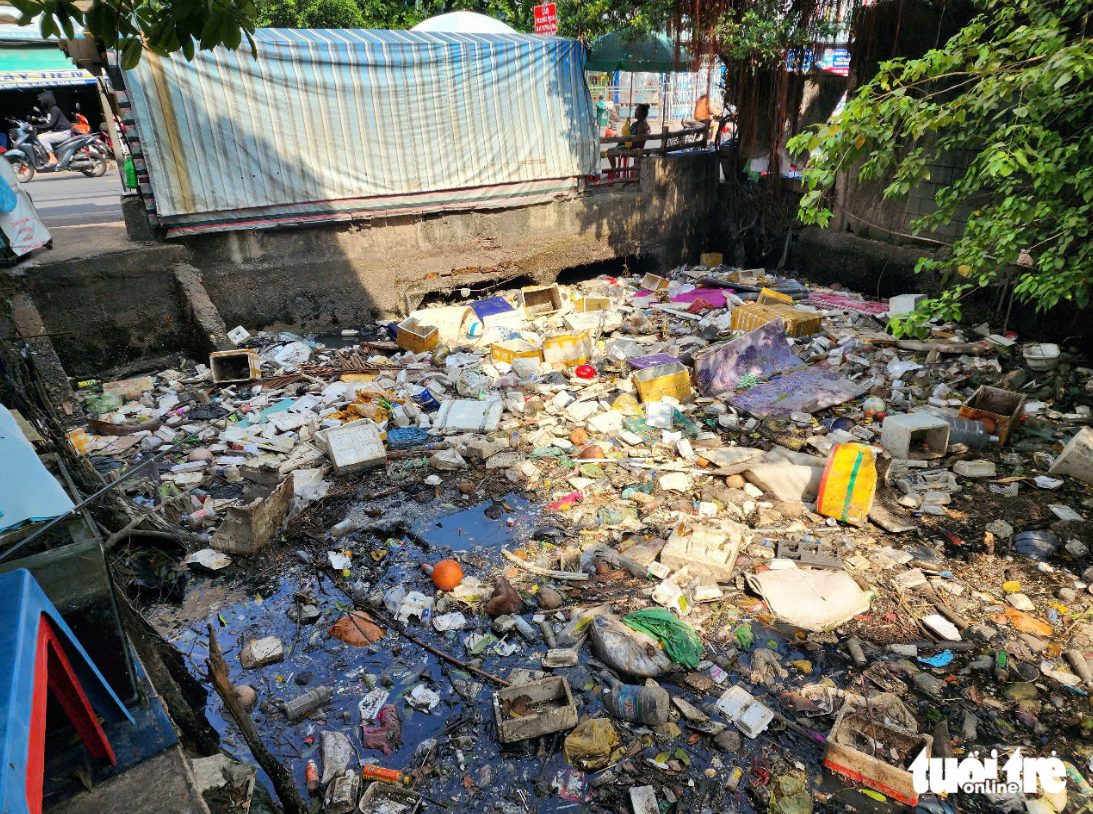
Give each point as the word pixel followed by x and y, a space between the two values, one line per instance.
pixel 111 130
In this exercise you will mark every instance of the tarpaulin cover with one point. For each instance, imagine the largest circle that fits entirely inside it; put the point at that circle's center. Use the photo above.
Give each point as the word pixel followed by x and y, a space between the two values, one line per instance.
pixel 758 353
pixel 334 123
pixel 809 390
pixel 27 490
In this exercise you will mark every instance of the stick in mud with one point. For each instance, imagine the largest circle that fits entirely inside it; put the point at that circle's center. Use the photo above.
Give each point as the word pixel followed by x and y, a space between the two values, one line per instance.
pixel 281 778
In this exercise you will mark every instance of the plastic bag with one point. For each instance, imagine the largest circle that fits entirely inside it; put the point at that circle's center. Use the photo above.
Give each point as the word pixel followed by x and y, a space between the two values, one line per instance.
pixel 789 795
pixel 682 643
pixel 626 650
pixel 589 745
pixel 356 629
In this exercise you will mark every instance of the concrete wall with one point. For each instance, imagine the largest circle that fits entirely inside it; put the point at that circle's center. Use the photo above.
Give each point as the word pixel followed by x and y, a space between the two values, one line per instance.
pixel 863 210
pixel 107 310
pixel 120 307
pixel 882 269
pixel 346 275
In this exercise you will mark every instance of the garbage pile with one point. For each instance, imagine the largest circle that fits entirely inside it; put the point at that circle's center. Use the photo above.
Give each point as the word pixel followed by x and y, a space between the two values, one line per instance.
pixel 773 556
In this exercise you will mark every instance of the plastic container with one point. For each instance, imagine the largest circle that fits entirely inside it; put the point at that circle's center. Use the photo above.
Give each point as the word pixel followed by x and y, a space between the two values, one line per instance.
pixel 1041 356
pixel 1036 545
pixel 973 434
pixel 848 484
pixel 648 705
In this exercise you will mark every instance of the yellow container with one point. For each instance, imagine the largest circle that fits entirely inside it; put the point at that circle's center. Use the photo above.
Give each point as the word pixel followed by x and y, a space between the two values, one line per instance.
pixel 417 337
pixel 768 296
pixel 513 349
pixel 672 379
pixel 848 484
pixel 711 259
pixel 567 349
pixel 753 315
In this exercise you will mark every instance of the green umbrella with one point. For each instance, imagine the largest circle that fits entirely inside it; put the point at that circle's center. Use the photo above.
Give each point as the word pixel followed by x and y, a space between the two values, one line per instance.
pixel 655 53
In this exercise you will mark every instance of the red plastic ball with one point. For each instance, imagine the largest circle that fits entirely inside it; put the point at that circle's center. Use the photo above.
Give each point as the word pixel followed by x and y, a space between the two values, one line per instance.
pixel 585 372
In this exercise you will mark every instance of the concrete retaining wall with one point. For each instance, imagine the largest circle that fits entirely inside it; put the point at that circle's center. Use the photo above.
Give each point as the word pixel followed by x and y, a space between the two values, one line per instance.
pixel 346 275
pixel 120 307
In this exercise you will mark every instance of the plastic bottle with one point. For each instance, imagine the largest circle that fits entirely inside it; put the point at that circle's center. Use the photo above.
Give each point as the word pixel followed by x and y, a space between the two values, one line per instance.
pixel 649 705
pixel 974 434
pixel 308 702
pixel 372 772
pixel 130 174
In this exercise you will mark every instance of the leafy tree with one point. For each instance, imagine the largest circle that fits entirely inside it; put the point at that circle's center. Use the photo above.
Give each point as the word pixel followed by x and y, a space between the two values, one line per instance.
pixel 1012 88
pixel 161 26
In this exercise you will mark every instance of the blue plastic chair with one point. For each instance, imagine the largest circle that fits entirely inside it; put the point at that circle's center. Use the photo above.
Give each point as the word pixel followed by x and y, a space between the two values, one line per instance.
pixel 39 654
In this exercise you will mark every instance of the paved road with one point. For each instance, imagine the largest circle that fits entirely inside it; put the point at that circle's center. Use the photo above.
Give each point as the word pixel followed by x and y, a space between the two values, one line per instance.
pixel 71 199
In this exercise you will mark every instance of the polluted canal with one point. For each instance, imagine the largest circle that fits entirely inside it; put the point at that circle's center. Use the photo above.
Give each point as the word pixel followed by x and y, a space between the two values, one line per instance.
pixel 705 542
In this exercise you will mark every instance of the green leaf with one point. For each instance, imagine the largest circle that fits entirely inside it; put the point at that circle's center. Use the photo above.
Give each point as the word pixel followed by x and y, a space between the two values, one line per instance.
pixel 130 53
pixel 48 26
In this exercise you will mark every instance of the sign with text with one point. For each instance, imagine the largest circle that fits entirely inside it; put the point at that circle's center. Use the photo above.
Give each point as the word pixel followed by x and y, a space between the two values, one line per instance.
pixel 546 18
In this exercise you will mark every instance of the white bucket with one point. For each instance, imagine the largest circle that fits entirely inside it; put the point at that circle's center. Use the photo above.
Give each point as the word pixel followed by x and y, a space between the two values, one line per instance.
pixel 1041 356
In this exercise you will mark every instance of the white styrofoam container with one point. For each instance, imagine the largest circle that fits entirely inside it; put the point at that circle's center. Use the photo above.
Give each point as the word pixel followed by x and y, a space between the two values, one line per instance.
pixel 356 445
pixel 469 415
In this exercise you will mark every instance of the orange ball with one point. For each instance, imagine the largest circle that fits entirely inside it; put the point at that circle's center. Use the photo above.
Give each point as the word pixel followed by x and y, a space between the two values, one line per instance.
pixel 447 574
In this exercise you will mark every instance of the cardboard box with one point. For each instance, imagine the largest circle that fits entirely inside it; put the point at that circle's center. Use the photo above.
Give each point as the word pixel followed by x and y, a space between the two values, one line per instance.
pixel 514 349
pixel 999 410
pixel 235 366
pixel 711 259
pixel 853 728
pixel 671 379
pixel 552 708
pixel 417 337
pixel 538 301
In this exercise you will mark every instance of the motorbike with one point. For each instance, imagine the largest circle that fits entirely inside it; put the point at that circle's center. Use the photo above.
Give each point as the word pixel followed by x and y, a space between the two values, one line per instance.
pixel 80 153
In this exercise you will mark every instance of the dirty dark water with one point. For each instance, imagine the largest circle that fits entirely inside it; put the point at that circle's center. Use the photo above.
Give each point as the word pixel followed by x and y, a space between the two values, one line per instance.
pixel 523 777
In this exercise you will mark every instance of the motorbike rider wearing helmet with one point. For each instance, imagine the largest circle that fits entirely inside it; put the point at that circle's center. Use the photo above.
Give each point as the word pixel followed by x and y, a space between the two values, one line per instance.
pixel 57 127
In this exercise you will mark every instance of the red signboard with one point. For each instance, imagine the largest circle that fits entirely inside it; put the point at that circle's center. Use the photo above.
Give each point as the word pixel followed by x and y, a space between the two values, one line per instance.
pixel 546 18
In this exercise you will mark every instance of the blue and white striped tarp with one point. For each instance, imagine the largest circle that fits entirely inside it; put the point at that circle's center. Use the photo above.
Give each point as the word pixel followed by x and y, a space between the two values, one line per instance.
pixel 336 124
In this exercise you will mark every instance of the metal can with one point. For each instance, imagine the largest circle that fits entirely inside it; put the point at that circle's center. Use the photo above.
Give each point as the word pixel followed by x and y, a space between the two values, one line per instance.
pixel 311 775
pixel 441 354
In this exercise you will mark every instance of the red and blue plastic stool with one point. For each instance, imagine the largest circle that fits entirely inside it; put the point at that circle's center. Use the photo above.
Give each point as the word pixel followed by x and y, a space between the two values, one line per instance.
pixel 38 655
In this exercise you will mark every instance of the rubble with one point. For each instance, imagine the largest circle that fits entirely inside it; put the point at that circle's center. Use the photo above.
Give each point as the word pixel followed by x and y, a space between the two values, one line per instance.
pixel 573 541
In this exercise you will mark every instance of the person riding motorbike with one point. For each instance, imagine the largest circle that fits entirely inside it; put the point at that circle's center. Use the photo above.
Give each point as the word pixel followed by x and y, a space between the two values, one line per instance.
pixel 56 127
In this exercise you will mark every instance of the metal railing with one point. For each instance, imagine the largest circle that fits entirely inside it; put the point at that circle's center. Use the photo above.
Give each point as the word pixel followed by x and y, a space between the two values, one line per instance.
pixel 625 161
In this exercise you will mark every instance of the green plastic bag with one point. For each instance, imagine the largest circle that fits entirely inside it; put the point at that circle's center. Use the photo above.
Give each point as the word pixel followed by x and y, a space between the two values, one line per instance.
pixel 678 639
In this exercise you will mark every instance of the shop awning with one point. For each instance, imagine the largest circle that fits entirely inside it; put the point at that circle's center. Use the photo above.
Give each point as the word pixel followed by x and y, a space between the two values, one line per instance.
pixel 38 66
